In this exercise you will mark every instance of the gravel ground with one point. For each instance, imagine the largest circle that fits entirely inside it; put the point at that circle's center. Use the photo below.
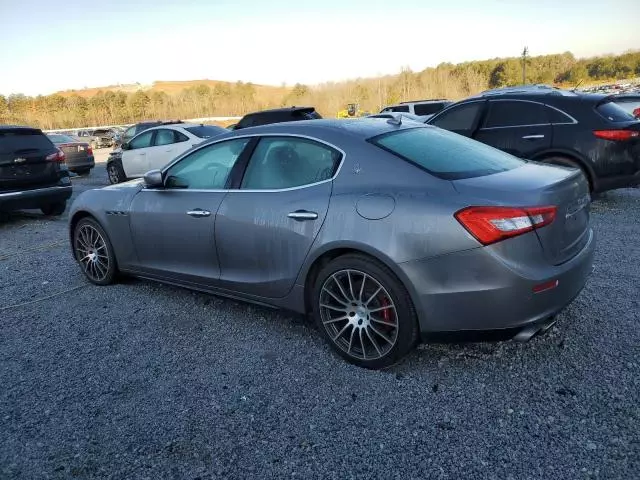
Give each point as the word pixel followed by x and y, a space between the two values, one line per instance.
pixel 141 380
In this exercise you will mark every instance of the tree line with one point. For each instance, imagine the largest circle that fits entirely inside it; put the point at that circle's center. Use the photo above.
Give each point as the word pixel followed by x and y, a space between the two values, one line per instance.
pixel 228 99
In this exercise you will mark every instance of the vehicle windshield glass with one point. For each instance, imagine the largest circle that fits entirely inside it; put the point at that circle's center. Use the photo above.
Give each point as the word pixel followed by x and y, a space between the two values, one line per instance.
pixel 59 138
pixel 614 112
pixel 205 131
pixel 445 154
pixel 23 140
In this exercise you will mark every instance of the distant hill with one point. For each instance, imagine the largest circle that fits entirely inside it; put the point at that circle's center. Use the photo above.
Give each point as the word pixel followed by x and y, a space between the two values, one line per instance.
pixel 171 87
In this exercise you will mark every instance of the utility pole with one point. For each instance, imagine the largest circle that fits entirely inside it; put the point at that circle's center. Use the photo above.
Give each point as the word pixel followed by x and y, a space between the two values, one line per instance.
pixel 525 53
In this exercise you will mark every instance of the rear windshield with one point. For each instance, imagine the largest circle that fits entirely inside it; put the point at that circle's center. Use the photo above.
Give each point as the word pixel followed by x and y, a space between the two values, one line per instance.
pixel 614 112
pixel 446 154
pixel 205 131
pixel 20 140
pixel 58 138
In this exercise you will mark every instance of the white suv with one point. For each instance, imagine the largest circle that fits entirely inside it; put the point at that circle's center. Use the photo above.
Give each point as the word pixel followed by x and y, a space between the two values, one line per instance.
pixel 422 108
pixel 154 148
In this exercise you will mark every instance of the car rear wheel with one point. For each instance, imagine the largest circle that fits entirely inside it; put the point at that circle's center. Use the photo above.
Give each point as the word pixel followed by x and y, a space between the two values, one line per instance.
pixel 56 208
pixel 93 252
pixel 364 312
pixel 115 172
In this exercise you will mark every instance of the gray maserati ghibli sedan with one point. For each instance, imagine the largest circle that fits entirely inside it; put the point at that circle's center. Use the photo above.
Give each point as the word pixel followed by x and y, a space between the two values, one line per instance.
pixel 387 232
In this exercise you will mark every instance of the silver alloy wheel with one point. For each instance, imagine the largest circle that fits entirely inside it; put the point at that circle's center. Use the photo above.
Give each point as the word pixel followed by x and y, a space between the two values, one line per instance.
pixel 112 171
pixel 91 252
pixel 358 314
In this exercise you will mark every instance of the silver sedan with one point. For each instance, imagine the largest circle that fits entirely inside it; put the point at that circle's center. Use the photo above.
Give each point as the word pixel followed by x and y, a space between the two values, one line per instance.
pixel 386 232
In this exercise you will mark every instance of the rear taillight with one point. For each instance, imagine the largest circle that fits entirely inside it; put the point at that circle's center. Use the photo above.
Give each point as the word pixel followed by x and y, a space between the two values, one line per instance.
pixel 89 150
pixel 617 135
pixel 493 224
pixel 636 112
pixel 58 156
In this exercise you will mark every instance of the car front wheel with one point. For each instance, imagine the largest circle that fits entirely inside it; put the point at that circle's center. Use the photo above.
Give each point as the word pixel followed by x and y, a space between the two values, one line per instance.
pixel 56 208
pixel 93 252
pixel 364 312
pixel 115 172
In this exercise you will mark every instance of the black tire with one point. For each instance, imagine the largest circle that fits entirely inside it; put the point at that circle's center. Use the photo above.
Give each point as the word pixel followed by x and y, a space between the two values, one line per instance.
pixel 54 209
pixel 115 172
pixel 94 254
pixel 568 162
pixel 83 171
pixel 402 328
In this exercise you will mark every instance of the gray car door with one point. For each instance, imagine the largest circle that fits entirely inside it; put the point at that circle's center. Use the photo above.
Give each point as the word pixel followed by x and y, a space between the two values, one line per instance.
pixel 264 230
pixel 173 227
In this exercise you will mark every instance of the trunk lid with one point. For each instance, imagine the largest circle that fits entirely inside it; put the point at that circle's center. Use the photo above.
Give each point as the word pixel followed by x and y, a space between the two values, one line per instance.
pixel 536 184
pixel 75 152
pixel 23 163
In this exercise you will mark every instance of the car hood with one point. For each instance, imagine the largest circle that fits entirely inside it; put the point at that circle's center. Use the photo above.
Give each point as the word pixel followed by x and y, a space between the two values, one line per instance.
pixel 136 184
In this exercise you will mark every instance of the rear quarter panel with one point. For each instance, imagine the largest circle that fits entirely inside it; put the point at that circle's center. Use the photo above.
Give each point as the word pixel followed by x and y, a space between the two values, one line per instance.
pixel 390 209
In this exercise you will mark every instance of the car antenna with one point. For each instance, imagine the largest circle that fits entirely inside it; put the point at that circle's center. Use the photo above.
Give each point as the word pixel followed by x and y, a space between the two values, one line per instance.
pixel 395 120
pixel 577 85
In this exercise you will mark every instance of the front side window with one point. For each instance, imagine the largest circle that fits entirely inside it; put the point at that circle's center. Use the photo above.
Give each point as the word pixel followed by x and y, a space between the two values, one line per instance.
pixel 446 155
pixel 427 108
pixel 164 136
pixel 400 108
pixel 279 163
pixel 141 141
pixel 507 113
pixel 207 168
pixel 458 118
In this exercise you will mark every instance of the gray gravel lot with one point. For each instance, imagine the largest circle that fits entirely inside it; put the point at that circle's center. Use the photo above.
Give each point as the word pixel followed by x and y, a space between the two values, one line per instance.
pixel 142 380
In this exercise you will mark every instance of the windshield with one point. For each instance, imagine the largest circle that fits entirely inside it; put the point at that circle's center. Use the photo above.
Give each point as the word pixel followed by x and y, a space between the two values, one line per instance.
pixel 205 131
pixel 445 154
pixel 59 138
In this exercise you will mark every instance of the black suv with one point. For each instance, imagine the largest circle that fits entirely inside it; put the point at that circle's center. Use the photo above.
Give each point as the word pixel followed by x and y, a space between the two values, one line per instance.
pixel 276 115
pixel 32 172
pixel 562 127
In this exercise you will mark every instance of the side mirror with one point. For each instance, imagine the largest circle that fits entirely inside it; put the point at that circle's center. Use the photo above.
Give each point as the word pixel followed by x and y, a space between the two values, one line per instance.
pixel 125 146
pixel 153 179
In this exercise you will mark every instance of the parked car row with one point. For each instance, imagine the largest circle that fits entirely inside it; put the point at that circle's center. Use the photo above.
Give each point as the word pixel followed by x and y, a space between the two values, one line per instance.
pixel 330 212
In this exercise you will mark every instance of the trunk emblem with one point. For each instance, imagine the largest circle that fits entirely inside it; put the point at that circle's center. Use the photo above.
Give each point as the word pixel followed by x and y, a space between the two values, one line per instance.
pixel 577 205
pixel 19 160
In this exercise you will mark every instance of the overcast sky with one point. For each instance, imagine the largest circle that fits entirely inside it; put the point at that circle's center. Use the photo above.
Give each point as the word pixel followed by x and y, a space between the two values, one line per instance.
pixel 47 46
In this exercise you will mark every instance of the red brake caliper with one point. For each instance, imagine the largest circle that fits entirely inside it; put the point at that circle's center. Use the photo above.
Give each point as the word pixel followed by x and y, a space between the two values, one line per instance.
pixel 385 312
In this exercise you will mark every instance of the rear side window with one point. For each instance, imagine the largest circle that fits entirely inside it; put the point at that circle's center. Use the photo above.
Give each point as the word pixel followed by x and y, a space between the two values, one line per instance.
pixel 279 163
pixel 446 155
pixel 23 140
pixel 164 136
pixel 614 112
pixel 427 108
pixel 556 116
pixel 515 114
pixel 205 131
pixel 458 118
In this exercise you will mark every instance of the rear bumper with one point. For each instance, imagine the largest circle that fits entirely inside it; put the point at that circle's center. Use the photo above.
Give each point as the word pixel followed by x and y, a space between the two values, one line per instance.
pixel 35 198
pixel 475 291
pixel 84 163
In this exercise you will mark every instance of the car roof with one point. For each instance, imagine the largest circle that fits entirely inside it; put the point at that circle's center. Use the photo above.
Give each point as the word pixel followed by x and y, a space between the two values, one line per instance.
pixel 180 125
pixel 430 100
pixel 281 110
pixel 357 127
pixel 14 127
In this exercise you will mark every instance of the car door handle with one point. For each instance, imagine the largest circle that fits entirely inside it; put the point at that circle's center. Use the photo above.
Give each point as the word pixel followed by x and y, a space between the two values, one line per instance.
pixel 532 137
pixel 303 215
pixel 142 153
pixel 198 212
